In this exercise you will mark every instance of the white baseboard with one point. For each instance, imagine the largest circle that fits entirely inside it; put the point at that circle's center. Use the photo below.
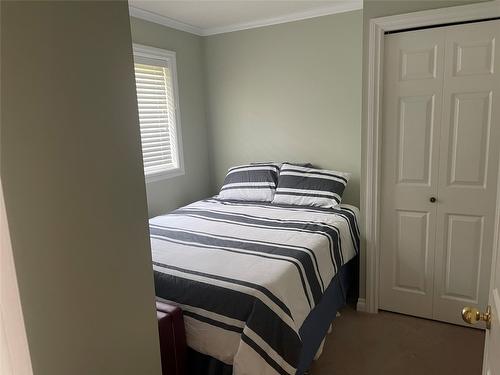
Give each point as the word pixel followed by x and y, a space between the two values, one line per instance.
pixel 361 305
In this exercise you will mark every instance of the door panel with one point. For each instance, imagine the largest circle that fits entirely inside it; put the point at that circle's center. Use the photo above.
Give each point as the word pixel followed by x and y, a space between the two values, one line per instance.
pixel 414 147
pixel 411 255
pixel 468 169
pixel 411 127
pixel 418 63
pixel 474 57
pixel 469 134
pixel 464 232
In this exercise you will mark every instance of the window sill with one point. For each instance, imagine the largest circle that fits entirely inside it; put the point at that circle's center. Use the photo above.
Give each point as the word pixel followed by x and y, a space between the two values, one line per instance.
pixel 164 175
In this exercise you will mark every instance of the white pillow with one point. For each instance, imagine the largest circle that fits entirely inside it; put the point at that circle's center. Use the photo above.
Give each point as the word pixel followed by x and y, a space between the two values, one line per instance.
pixel 310 186
pixel 251 182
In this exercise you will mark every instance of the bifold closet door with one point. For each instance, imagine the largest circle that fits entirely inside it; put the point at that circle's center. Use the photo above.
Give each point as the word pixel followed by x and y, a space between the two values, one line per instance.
pixel 413 85
pixel 468 169
pixel 440 151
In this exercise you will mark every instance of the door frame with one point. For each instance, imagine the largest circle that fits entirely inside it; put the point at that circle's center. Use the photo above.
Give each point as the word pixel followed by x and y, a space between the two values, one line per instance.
pixel 371 129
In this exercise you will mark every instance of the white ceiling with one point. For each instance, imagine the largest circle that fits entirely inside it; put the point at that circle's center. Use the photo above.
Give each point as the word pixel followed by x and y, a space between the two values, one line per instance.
pixel 207 17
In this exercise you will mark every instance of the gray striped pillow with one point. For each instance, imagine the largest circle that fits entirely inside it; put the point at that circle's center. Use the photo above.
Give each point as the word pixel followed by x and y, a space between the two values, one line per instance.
pixel 251 182
pixel 310 186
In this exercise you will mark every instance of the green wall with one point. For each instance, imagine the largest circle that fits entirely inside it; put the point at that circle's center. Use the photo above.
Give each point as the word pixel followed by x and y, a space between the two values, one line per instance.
pixel 169 194
pixel 71 169
pixel 288 92
pixel 382 8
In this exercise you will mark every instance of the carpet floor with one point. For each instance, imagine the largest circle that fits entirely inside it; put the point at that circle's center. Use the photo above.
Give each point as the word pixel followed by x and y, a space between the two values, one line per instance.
pixel 394 344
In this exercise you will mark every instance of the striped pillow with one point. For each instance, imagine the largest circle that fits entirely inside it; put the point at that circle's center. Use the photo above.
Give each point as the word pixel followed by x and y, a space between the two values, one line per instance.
pixel 251 182
pixel 310 186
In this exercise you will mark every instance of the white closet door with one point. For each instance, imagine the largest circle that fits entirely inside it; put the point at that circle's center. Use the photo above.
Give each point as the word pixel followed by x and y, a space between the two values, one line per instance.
pixel 468 168
pixel 413 85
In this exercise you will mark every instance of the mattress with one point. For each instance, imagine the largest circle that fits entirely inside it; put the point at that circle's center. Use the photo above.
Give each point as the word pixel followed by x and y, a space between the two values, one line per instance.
pixel 342 290
pixel 247 275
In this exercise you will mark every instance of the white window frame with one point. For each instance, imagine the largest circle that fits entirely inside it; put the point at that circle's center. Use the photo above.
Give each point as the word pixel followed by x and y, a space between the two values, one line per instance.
pixel 158 56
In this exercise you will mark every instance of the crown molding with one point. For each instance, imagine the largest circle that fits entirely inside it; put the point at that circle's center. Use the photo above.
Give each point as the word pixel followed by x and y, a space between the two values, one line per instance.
pixel 340 7
pixel 165 21
pixel 324 11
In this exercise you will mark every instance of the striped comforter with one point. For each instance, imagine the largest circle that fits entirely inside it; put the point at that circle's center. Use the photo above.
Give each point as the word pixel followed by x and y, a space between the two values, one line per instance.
pixel 247 275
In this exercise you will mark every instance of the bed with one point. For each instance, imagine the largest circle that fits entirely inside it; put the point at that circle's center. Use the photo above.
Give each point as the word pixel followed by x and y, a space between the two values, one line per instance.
pixel 259 283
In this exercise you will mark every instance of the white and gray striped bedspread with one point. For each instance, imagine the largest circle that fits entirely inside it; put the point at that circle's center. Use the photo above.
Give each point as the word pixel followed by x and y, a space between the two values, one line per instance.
pixel 247 275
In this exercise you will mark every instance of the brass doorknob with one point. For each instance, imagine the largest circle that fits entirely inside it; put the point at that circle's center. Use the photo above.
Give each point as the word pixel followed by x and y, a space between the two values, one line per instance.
pixel 472 315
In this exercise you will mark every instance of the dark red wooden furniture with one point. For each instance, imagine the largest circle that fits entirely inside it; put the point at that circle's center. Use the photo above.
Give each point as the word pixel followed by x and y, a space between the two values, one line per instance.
pixel 172 339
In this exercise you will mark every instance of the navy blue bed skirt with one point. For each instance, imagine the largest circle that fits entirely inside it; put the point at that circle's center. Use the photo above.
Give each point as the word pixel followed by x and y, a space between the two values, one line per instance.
pixel 342 290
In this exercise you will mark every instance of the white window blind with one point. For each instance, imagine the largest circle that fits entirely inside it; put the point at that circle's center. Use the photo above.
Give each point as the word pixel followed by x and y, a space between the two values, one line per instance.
pixel 156 99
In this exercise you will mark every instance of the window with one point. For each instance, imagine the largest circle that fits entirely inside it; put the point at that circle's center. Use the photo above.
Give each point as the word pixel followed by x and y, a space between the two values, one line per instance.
pixel 159 119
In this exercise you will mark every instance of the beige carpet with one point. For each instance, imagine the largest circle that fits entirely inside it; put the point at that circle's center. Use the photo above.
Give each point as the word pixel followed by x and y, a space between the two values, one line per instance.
pixel 394 344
